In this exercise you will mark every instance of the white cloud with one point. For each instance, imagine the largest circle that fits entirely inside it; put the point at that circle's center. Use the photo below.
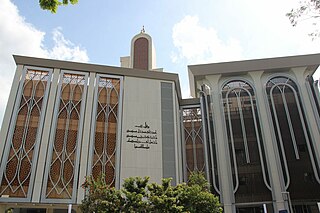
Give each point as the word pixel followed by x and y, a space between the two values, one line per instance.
pixel 21 38
pixel 198 44
pixel 65 50
pixel 252 31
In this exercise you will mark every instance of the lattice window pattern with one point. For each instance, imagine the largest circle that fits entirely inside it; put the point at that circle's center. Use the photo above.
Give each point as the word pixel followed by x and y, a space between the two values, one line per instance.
pixel 106 121
pixel 193 140
pixel 62 165
pixel 17 173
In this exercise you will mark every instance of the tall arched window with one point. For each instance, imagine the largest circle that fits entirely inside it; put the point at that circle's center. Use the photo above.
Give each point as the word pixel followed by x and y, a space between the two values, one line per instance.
pixel 105 127
pixel 296 151
pixel 141 54
pixel 63 153
pixel 20 156
pixel 248 162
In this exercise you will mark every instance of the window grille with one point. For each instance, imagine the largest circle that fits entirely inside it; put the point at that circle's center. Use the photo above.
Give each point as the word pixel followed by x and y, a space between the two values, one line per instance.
pixel 24 134
pixel 193 140
pixel 63 158
pixel 105 125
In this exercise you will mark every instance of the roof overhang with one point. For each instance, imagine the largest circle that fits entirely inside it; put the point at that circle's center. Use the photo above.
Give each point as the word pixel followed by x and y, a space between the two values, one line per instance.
pixel 68 65
pixel 197 72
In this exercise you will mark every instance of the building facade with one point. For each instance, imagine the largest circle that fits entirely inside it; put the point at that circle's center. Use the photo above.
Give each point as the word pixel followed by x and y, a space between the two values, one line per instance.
pixel 252 127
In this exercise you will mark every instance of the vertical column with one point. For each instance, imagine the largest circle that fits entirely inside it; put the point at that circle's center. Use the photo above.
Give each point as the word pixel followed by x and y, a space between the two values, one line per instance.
pixel 273 165
pixel 309 112
pixel 49 210
pixel 224 166
pixel 204 130
pixel 9 108
pixel 168 142
pixel 177 138
pixel 3 208
pixel 45 137
pixel 86 137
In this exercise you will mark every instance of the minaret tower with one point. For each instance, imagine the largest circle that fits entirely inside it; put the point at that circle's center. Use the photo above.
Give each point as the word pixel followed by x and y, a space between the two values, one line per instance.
pixel 142 54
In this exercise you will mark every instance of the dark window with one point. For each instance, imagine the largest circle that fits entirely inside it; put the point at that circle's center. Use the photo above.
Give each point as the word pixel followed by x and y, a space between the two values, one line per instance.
pixel 293 139
pixel 248 161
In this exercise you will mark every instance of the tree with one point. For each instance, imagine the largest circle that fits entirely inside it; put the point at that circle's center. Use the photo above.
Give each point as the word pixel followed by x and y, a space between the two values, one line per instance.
pixel 138 195
pixel 101 198
pixel 307 10
pixel 52 5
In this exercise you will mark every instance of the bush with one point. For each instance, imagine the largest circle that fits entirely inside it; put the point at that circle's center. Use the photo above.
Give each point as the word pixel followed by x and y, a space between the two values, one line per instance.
pixel 138 195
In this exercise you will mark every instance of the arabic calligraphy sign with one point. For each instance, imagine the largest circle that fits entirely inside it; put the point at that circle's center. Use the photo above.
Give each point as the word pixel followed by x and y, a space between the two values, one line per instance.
pixel 141 136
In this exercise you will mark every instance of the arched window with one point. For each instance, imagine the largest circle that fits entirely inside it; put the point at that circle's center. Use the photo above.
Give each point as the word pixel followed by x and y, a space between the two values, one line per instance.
pixel 62 164
pixel 103 152
pixel 296 151
pixel 141 54
pixel 22 145
pixel 248 162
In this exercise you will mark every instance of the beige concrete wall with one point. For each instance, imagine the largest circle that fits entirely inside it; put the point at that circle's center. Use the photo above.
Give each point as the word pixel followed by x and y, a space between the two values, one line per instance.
pixel 141 103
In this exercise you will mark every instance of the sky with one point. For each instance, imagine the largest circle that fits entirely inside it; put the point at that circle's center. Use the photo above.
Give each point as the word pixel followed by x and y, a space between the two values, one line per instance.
pixel 184 32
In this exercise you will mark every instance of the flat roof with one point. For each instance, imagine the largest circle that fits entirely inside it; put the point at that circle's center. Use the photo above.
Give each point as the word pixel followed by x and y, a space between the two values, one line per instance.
pixel 266 64
pixel 197 72
pixel 78 66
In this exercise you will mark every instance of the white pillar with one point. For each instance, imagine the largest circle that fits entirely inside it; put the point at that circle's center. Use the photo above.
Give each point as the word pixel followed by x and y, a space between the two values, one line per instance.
pixel 268 140
pixel 85 146
pixel 223 156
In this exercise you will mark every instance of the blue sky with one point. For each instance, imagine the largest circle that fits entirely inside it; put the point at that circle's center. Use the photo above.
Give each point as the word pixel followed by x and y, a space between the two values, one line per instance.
pixel 183 31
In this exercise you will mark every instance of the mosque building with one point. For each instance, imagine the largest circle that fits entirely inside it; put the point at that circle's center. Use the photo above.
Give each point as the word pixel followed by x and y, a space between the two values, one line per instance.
pixel 252 127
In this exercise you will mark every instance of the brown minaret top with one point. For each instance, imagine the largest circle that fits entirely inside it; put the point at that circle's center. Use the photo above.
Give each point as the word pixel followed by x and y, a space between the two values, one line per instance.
pixel 142 54
pixel 141 50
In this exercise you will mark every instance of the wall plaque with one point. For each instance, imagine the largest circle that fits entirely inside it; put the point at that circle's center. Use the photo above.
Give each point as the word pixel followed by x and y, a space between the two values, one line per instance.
pixel 142 136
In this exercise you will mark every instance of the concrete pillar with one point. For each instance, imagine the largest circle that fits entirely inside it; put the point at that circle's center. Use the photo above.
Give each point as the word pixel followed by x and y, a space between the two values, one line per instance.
pixel 45 138
pixel 9 108
pixel 3 208
pixel 223 156
pixel 177 137
pixel 49 210
pixel 85 146
pixel 274 166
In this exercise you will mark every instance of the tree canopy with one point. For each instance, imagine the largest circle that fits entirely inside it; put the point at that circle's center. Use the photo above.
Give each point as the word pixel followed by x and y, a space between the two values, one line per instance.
pixel 138 195
pixel 52 5
pixel 308 10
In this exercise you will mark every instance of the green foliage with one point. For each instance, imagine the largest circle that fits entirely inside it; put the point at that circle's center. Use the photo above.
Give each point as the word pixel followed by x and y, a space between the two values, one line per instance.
pixel 52 5
pixel 101 197
pixel 138 195
pixel 194 199
pixel 164 197
pixel 197 178
pixel 135 194
pixel 308 10
pixel 9 210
